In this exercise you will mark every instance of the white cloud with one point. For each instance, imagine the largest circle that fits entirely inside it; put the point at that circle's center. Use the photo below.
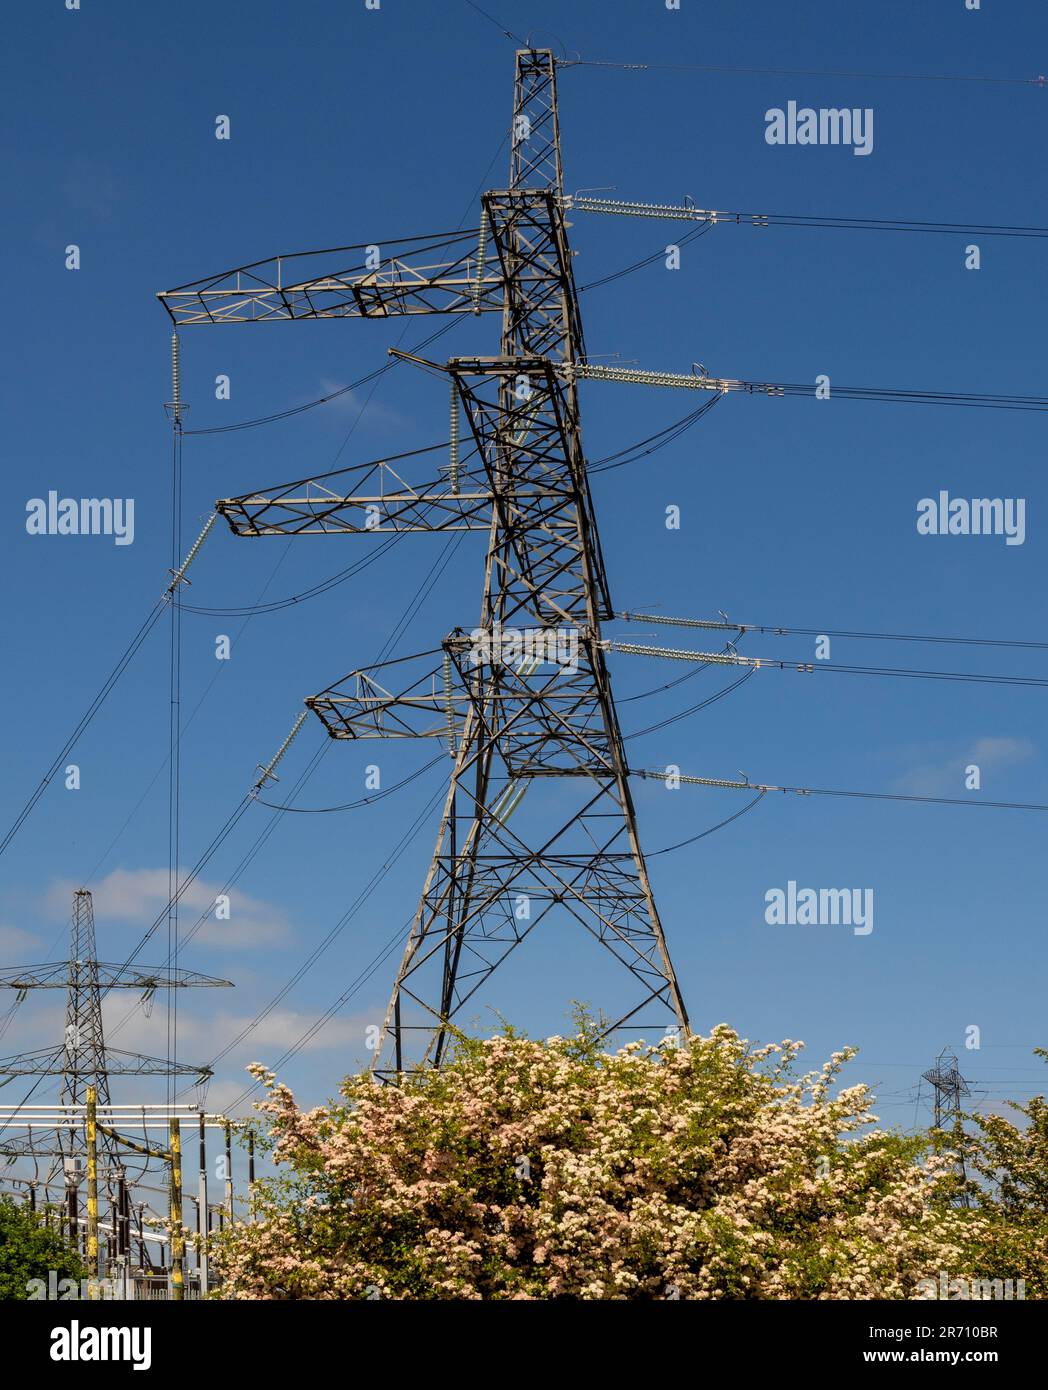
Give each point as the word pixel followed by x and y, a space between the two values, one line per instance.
pixel 946 776
pixel 17 946
pixel 140 895
pixel 201 1036
pixel 1002 752
pixel 38 1023
pixel 220 1096
pixel 127 1027
pixel 283 1027
pixel 355 403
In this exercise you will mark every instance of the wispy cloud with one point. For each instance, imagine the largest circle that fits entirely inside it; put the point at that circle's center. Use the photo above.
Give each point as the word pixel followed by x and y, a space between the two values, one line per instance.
pixel 201 1036
pixel 139 895
pixel 284 1027
pixel 91 187
pixel 356 403
pixel 17 946
pixel 946 775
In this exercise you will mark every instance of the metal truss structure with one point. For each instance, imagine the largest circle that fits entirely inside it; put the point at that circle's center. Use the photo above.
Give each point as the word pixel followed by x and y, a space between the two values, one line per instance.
pixel 378 500
pixel 948 1087
pixel 307 286
pixel 948 1091
pixel 524 700
pixel 83 1059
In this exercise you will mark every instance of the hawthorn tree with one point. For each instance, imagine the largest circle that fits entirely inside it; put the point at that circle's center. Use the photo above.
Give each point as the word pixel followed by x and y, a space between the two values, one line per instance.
pixel 1007 1164
pixel 536 1170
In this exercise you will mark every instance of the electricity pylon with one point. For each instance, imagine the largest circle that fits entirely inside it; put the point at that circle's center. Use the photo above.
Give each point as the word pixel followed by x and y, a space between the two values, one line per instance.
pixel 949 1086
pixel 524 700
pixel 83 1059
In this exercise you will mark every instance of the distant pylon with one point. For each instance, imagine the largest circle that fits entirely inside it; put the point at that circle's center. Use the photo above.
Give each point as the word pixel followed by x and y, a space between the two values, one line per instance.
pixel 84 1048
pixel 949 1086
pixel 82 1059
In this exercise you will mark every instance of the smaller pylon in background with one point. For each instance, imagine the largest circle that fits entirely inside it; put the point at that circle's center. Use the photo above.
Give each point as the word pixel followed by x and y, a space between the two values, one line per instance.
pixel 949 1086
pixel 82 1059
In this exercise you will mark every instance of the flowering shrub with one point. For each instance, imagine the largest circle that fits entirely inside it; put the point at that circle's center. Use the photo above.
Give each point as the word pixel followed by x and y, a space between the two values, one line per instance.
pixel 535 1170
pixel 1008 1186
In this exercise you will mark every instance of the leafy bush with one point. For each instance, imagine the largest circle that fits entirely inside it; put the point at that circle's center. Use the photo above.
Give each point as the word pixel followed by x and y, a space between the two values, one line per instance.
pixel 541 1170
pixel 29 1250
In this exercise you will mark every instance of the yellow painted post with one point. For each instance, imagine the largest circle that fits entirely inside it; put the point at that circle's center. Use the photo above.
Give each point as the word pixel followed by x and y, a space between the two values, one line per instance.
pixel 251 1174
pixel 94 1263
pixel 229 1172
pixel 203 1232
pixel 178 1239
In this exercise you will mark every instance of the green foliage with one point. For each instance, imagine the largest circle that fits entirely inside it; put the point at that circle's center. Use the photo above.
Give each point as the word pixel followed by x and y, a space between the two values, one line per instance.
pixel 28 1250
pixel 1008 1186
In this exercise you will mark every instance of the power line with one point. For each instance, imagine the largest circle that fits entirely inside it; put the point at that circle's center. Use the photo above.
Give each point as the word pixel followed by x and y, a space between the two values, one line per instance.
pixel 777 630
pixel 927 800
pixel 1039 81
pixel 730 785
pixel 121 666
pixel 646 261
pixel 631 454
pixel 877 224
pixel 424 589
pixel 373 375
pixel 245 861
pixel 220 666
pixel 657 441
pixel 405 840
pixel 362 979
pixel 809 667
pixel 692 709
pixel 509 34
pixel 702 381
pixel 174 749
pixel 205 858
pixel 907 673
pixel 363 801
pixel 405 619
pixel 708 218
pixel 692 839
pixel 982 400
pixel 96 704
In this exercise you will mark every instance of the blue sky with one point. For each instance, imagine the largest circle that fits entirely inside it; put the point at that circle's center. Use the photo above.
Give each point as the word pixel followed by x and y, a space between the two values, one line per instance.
pixel 350 126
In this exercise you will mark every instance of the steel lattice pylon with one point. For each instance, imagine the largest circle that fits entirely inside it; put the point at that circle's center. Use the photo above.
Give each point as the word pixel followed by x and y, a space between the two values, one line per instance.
pixel 83 1059
pixel 514 721
pixel 948 1087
